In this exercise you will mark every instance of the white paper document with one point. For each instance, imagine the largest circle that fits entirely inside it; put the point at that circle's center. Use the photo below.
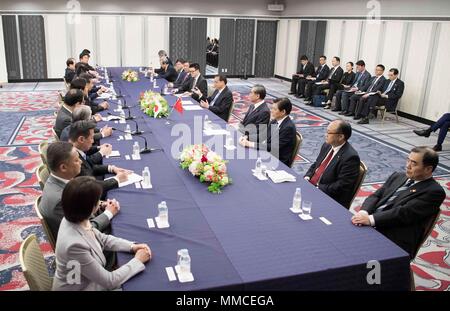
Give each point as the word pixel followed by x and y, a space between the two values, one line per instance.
pixel 114 153
pixel 186 102
pixel 281 176
pixel 111 118
pixel 132 178
pixel 192 107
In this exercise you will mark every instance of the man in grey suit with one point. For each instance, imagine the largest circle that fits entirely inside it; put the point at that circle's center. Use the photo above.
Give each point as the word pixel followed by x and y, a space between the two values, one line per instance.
pixel 72 100
pixel 64 164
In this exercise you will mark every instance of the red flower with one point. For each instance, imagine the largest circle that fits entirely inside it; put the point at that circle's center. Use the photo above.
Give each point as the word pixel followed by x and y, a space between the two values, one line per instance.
pixel 204 159
pixel 142 94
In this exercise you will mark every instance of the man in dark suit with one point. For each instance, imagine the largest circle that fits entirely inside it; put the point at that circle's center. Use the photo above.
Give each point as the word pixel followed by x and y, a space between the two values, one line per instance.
pixel 334 77
pixel 81 135
pixel 181 73
pixel 406 204
pixel 443 124
pixel 64 164
pixel 376 84
pixel 361 79
pixel 257 117
pixel 388 96
pixel 73 99
pixel 197 82
pixel 322 73
pixel 281 133
pixel 162 57
pixel 70 70
pixel 336 169
pixel 168 72
pixel 306 70
pixel 346 81
pixel 221 101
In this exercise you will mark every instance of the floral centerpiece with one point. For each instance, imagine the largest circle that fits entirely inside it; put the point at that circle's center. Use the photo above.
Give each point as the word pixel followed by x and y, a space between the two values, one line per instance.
pixel 207 165
pixel 130 75
pixel 154 105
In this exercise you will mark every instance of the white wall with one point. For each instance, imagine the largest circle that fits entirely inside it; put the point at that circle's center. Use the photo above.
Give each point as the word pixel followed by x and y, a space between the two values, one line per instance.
pixel 286 55
pixel 56 44
pixel 3 71
pixel 213 27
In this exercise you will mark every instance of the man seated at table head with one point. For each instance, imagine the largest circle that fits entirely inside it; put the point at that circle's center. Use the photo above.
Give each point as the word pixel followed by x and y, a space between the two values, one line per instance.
pixel 197 83
pixel 281 134
pixel 80 242
pixel 221 101
pixel 73 99
pixel 168 72
pixel 65 164
pixel 81 135
pixel 257 117
pixel 408 202
pixel 336 168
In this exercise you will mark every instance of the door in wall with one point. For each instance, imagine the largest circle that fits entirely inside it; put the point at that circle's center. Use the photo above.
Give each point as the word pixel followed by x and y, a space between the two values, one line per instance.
pixel 266 40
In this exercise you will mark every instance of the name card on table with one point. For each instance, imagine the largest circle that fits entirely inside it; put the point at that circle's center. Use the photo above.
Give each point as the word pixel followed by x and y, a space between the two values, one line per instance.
pixel 192 107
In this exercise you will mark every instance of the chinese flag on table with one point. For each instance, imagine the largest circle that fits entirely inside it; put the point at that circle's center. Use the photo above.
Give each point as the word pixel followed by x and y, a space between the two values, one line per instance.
pixel 179 106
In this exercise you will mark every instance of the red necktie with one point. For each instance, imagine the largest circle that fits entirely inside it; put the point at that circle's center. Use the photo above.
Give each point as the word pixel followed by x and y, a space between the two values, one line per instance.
pixel 318 173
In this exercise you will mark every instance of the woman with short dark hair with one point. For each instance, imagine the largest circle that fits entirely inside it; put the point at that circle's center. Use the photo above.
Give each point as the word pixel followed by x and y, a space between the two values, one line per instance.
pixel 80 262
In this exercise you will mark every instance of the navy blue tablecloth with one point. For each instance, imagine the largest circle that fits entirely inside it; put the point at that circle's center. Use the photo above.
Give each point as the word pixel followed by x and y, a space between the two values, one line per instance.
pixel 245 237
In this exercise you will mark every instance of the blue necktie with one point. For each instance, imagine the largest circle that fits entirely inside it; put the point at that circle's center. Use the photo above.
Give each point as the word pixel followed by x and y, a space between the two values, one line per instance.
pixel 397 192
pixel 389 87
pixel 357 80
pixel 214 99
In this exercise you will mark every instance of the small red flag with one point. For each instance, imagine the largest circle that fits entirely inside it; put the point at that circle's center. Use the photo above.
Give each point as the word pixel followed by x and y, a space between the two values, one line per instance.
pixel 179 106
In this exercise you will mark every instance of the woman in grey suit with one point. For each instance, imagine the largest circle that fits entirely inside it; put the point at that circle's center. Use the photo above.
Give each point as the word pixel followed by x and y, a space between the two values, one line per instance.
pixel 80 263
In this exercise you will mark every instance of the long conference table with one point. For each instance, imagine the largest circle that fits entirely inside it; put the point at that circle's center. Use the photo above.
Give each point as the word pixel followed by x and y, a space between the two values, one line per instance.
pixel 245 238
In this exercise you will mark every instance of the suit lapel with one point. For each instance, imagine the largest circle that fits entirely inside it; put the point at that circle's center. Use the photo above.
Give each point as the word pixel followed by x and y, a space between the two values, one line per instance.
pixel 416 188
pixel 392 189
pixel 92 244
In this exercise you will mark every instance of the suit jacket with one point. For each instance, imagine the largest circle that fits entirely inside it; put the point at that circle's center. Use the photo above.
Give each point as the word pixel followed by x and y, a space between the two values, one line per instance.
pixel 65 135
pixel 308 71
pixel 69 75
pixel 88 168
pixel 202 86
pixel 63 119
pixel 340 176
pixel 53 213
pixel 376 87
pixel 365 79
pixel 223 103
pixel 404 221
pixel 394 94
pixel 258 119
pixel 170 74
pixel 75 244
pixel 280 140
pixel 336 76
pixel 185 85
pixel 322 74
pixel 181 76
pixel 348 78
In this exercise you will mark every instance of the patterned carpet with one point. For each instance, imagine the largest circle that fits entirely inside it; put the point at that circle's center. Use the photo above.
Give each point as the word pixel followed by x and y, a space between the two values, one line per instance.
pixel 26 119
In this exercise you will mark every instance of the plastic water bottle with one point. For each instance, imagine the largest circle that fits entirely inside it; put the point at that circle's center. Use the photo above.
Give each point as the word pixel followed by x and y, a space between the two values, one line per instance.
pixel 122 116
pixel 180 253
pixel 163 212
pixel 152 77
pixel 165 89
pixel 297 201
pixel 207 122
pixel 119 105
pixel 185 263
pixel 258 166
pixel 136 149
pixel 128 130
pixel 146 176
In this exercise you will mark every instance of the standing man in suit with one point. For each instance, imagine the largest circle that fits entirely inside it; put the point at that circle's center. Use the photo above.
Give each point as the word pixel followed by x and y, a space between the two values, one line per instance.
pixel 361 79
pixel 168 72
pixel 407 203
pixel 257 117
pixel 322 73
pixel 347 80
pixel 73 99
pixel 221 101
pixel 281 134
pixel 306 69
pixel 375 85
pixel 65 164
pixel 389 96
pixel 334 77
pixel 197 83
pixel 81 135
pixel 336 169
pixel 443 124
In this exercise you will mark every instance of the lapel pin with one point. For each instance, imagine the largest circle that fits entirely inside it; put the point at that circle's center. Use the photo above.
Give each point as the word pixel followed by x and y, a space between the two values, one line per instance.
pixel 413 190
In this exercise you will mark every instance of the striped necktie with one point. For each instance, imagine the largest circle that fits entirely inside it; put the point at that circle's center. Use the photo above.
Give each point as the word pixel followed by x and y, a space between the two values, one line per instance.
pixel 397 192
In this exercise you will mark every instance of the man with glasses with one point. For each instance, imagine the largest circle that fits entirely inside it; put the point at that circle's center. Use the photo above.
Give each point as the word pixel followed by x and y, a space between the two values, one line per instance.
pixel 221 101
pixel 336 169
pixel 407 203
pixel 198 83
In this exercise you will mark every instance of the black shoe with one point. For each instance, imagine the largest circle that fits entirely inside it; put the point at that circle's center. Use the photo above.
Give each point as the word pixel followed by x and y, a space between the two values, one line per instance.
pixel 301 96
pixel 357 117
pixel 335 109
pixel 349 114
pixel 296 96
pixel 371 116
pixel 291 93
pixel 437 147
pixel 343 113
pixel 363 121
pixel 424 133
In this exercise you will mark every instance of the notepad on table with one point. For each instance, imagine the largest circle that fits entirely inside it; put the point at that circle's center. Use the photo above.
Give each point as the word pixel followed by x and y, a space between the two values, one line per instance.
pixel 280 176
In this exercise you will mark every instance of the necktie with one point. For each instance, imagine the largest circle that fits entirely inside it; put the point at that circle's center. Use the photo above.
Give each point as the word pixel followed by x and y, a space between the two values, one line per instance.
pixel 357 79
pixel 331 73
pixel 397 192
pixel 373 84
pixel 389 87
pixel 214 99
pixel 319 172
